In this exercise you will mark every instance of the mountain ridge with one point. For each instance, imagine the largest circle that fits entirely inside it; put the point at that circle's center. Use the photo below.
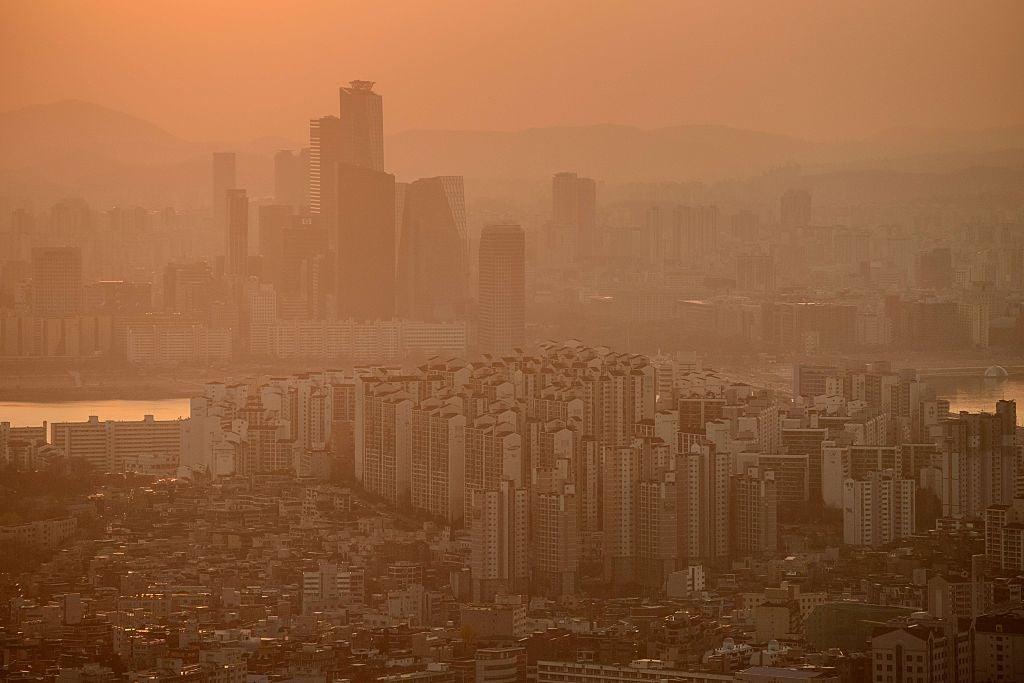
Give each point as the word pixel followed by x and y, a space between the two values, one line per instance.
pixel 61 147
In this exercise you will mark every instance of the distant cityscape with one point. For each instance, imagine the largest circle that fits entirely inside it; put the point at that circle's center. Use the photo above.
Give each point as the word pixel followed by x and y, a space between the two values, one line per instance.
pixel 571 430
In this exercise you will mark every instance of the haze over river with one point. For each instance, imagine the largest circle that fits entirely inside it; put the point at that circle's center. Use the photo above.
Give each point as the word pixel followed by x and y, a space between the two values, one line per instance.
pixel 964 393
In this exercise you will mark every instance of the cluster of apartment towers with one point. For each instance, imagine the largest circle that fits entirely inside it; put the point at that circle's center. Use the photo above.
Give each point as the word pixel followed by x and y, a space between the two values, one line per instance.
pixel 579 458
pixel 369 248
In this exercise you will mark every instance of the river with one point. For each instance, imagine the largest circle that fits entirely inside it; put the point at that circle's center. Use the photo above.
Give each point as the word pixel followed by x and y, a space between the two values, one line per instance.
pixel 964 393
pixel 975 394
pixel 24 414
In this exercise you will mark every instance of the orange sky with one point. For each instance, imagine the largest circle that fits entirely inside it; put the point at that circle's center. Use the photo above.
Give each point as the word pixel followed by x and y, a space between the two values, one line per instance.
pixel 235 70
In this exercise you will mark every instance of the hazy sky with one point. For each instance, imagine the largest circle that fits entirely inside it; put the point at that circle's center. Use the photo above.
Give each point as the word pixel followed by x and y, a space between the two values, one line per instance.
pixel 210 70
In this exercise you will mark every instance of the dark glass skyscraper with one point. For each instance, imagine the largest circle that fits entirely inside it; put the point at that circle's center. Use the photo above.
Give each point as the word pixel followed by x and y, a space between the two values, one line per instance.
pixel 433 269
pixel 365 271
pixel 362 126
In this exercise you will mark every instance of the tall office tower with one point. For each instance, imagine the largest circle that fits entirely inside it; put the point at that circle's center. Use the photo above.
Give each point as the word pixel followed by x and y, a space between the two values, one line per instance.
pixel 291 178
pixel 224 179
pixel 437 459
pixel 400 190
pixel 324 155
pixel 499 533
pixel 294 261
pixel 879 509
pixel 502 290
pixel 362 126
pixel 754 513
pixel 237 248
pixel 795 208
pixel 273 219
pixel 573 216
pixel 56 281
pixel 433 256
pixel 365 273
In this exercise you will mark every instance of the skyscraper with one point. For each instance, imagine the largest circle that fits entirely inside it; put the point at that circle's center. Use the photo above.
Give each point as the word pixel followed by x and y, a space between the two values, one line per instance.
pixel 56 281
pixel 433 271
pixel 502 291
pixel 237 252
pixel 362 126
pixel 324 154
pixel 573 216
pixel 291 178
pixel 224 179
pixel 365 274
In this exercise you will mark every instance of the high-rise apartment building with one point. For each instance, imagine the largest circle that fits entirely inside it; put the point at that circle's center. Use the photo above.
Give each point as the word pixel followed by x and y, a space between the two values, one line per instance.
pixel 554 539
pixel 105 445
pixel 879 509
pixel 384 439
pixel 502 290
pixel 493 452
pixel 703 482
pixel 56 281
pixel 621 509
pixel 499 533
pixel 754 513
pixel 437 459
pixel 977 459
pixel 433 252
pixel 1004 535
pixel 362 126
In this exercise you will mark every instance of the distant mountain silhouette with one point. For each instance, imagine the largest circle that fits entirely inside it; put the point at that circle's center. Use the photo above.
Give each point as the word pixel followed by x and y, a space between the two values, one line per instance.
pixel 708 153
pixel 609 152
pixel 48 133
pixel 75 148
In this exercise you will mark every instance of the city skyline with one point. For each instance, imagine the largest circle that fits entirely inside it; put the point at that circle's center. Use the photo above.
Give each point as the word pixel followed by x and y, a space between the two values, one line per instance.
pixel 568 403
